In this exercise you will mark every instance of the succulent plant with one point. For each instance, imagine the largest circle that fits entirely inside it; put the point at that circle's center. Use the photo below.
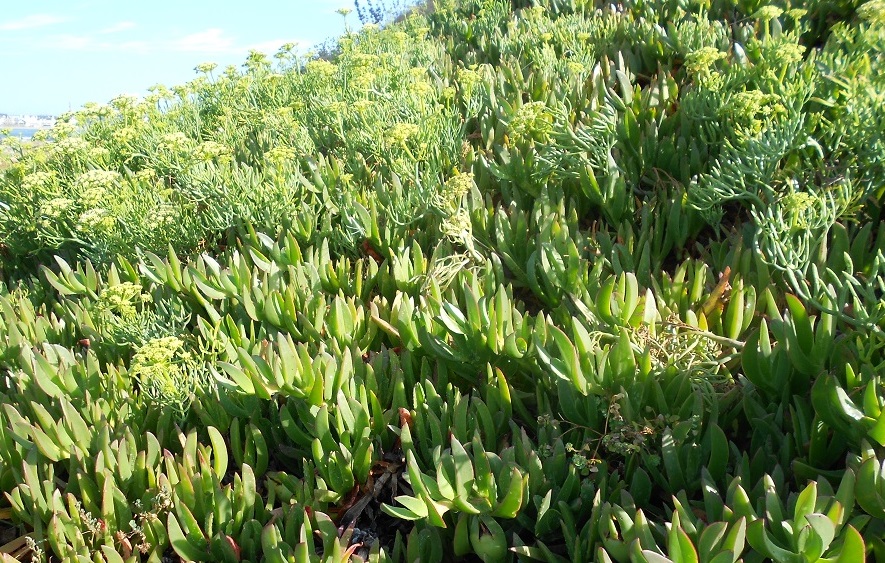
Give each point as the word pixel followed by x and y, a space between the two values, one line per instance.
pixel 535 280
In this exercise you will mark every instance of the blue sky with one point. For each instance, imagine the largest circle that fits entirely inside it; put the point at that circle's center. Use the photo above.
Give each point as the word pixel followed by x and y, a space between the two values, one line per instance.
pixel 60 54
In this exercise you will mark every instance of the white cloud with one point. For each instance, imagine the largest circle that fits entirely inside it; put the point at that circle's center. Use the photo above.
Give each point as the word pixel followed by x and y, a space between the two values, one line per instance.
pixel 212 40
pixel 140 47
pixel 73 42
pixel 31 22
pixel 217 41
pixel 92 44
pixel 118 27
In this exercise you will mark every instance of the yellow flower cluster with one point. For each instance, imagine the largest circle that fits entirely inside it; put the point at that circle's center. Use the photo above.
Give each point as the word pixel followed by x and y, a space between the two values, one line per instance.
pixel 159 366
pixel 749 109
pixel 121 299
pixel 575 67
pixel 174 142
pixel 124 135
pixel 71 146
pixel 210 150
pixel 363 80
pixel 56 207
pixel 205 68
pixel 701 61
pixel 165 214
pixel 458 226
pixel 400 133
pixel 533 121
pixel 124 103
pixel 457 186
pixel 467 79
pixel 38 181
pixel 280 154
pixel 98 180
pixel 322 68
pixel 96 220
pixel 767 13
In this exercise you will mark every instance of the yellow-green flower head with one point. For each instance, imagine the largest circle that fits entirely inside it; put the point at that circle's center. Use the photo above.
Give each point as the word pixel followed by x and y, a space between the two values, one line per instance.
pixel 790 53
pixel 98 180
pixel 751 102
pixel 362 106
pixel 468 78
pixel 284 50
pixel 205 68
pixel 401 132
pixel 96 221
pixel 41 136
pixel 281 154
pixel 363 80
pixel 71 146
pixel 800 207
pixel 417 73
pixel 146 175
pixel 181 91
pixel 63 129
pixel 532 121
pixel 749 110
pixel 98 153
pixel 93 196
pixel 322 68
pixel 357 60
pixel 124 135
pixel 533 12
pixel 158 351
pixel 422 88
pixel 56 207
pixel 702 60
pixel 37 181
pixel 767 13
pixel 231 72
pixel 93 110
pixel 121 299
pixel 174 141
pixel 209 150
pixel 575 67
pixel 124 102
pixel 160 367
pixel 457 226
pixel 161 90
pixel 165 214
pixel 457 186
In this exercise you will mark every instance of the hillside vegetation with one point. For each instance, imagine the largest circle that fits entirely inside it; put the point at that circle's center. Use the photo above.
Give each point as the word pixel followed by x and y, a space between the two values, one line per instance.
pixel 548 280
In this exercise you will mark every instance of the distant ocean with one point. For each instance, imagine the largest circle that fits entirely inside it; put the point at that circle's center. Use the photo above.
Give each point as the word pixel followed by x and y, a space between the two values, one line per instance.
pixel 21 132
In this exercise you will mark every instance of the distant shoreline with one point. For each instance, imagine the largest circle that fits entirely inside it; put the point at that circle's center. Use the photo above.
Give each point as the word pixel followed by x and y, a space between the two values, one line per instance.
pixel 23 133
pixel 17 125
